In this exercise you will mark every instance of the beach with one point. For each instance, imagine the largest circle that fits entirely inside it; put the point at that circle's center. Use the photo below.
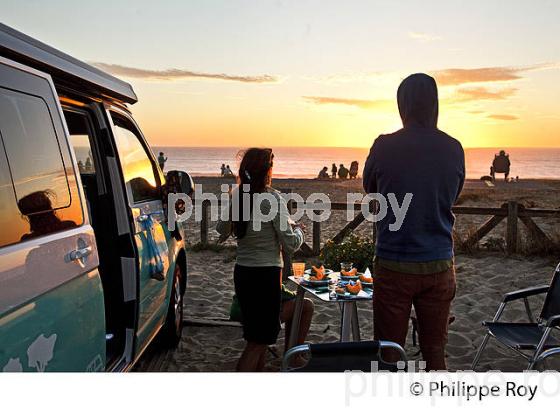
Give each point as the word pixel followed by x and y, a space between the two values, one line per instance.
pixel 483 276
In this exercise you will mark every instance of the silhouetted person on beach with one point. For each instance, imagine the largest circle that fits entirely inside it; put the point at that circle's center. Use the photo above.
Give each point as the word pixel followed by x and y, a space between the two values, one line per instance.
pixel 334 170
pixel 228 172
pixel 342 172
pixel 161 160
pixel 324 174
pixel 223 170
pixel 354 169
pixel 414 261
pixel 501 164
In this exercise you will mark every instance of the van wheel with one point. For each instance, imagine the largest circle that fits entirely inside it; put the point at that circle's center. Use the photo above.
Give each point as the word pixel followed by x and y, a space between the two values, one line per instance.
pixel 173 327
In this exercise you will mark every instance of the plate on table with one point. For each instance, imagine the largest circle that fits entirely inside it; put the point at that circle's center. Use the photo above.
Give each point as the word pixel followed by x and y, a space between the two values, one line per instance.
pixel 307 281
pixel 310 272
pixel 347 295
pixel 344 282
pixel 352 277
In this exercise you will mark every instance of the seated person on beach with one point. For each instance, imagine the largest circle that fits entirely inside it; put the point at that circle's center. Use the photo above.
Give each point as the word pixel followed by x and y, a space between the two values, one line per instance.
pixel 228 172
pixel 334 170
pixel 223 170
pixel 500 164
pixel 324 174
pixel 258 269
pixel 354 169
pixel 342 172
pixel 414 263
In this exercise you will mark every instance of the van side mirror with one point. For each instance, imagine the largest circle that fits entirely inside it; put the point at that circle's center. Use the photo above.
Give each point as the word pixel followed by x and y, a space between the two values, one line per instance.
pixel 179 182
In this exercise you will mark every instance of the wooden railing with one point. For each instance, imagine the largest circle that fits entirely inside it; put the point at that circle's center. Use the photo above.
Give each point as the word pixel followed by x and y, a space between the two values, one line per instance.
pixel 511 211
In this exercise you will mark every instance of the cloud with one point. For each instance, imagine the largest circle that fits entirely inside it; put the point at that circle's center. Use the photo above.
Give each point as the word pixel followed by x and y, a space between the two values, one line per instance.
pixel 504 117
pixel 423 37
pixel 481 93
pixel 457 76
pixel 179 74
pixel 364 104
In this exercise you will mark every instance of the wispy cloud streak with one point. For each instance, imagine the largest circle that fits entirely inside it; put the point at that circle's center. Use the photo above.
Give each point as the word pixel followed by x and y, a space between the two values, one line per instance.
pixel 179 74
pixel 481 93
pixel 364 104
pixel 458 76
pixel 503 117
pixel 423 37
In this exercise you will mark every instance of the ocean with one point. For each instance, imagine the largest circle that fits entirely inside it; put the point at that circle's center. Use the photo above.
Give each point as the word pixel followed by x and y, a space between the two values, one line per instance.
pixel 297 162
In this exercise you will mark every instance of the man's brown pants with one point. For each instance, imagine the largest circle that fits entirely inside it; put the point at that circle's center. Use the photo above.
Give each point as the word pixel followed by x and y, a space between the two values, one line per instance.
pixel 431 295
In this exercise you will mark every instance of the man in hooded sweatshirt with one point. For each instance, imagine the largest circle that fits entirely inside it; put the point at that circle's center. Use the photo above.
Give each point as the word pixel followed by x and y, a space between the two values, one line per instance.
pixel 414 263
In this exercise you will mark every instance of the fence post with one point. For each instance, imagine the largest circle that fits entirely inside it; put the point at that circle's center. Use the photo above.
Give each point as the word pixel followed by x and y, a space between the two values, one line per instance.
pixel 316 236
pixel 204 223
pixel 511 233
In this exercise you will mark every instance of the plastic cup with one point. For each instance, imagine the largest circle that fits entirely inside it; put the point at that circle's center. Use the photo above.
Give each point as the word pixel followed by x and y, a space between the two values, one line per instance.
pixel 298 268
pixel 346 266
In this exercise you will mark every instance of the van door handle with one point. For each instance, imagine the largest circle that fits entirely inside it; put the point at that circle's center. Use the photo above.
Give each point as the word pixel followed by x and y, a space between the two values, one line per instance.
pixel 143 217
pixel 80 255
pixel 146 216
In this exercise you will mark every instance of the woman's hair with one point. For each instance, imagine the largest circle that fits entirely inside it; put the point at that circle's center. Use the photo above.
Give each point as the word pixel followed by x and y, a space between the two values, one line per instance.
pixel 255 171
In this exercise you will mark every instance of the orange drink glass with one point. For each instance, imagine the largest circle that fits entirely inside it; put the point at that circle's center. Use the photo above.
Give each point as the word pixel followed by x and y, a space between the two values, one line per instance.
pixel 298 268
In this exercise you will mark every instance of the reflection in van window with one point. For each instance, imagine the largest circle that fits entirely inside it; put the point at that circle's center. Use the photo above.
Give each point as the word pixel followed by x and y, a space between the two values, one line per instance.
pixel 32 148
pixel 80 131
pixel 138 169
pixel 13 225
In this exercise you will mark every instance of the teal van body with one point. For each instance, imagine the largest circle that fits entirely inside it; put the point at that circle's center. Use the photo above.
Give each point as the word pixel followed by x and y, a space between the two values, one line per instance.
pixel 69 316
pixel 90 274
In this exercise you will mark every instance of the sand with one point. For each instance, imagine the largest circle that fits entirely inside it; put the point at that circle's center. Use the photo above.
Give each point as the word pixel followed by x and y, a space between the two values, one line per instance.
pixel 482 278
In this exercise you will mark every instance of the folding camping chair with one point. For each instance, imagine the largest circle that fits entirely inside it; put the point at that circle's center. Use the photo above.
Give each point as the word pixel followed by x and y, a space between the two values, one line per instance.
pixel 533 340
pixel 339 357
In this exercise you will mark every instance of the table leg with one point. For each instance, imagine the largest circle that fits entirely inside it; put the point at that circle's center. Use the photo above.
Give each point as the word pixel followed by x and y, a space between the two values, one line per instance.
pixel 347 313
pixel 355 323
pixel 298 308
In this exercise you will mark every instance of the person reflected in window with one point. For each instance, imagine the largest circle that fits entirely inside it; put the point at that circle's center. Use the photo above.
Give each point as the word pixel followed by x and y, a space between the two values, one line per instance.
pixel 37 208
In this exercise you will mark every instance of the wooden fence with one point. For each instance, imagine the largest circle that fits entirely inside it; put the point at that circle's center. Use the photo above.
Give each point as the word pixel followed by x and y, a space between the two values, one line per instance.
pixel 511 211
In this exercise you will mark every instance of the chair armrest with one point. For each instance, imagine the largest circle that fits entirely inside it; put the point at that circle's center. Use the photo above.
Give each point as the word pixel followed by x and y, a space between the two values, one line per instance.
pixel 292 352
pixel 553 321
pixel 523 293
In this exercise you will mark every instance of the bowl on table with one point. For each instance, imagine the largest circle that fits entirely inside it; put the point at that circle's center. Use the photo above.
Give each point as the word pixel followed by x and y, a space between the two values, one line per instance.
pixel 310 280
pixel 351 274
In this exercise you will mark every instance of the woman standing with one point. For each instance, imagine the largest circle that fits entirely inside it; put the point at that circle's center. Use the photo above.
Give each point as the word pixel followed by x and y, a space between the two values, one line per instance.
pixel 257 273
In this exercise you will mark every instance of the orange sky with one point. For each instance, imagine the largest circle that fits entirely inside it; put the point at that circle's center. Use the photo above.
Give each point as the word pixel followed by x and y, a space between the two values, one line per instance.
pixel 306 73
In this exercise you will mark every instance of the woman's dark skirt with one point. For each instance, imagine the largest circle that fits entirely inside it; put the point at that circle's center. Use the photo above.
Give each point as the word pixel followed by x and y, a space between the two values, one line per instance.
pixel 258 292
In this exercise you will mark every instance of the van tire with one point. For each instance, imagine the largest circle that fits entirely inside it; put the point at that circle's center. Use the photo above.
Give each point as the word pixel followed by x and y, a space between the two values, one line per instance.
pixel 172 329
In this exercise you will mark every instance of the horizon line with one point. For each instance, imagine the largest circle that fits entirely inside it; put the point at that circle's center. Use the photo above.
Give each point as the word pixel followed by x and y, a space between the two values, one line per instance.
pixel 339 147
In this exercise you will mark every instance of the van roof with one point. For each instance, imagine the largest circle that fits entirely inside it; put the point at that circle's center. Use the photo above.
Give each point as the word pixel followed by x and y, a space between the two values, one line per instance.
pixel 61 66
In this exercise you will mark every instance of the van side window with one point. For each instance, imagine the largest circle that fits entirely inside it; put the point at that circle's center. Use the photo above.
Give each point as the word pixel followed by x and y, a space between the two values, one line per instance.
pixel 32 148
pixel 33 170
pixel 141 178
pixel 80 134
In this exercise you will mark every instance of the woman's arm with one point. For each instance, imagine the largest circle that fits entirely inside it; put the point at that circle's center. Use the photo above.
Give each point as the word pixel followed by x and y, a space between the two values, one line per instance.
pixel 290 238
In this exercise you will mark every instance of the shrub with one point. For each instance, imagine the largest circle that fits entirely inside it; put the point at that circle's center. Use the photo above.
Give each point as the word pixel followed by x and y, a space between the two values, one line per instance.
pixel 359 251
